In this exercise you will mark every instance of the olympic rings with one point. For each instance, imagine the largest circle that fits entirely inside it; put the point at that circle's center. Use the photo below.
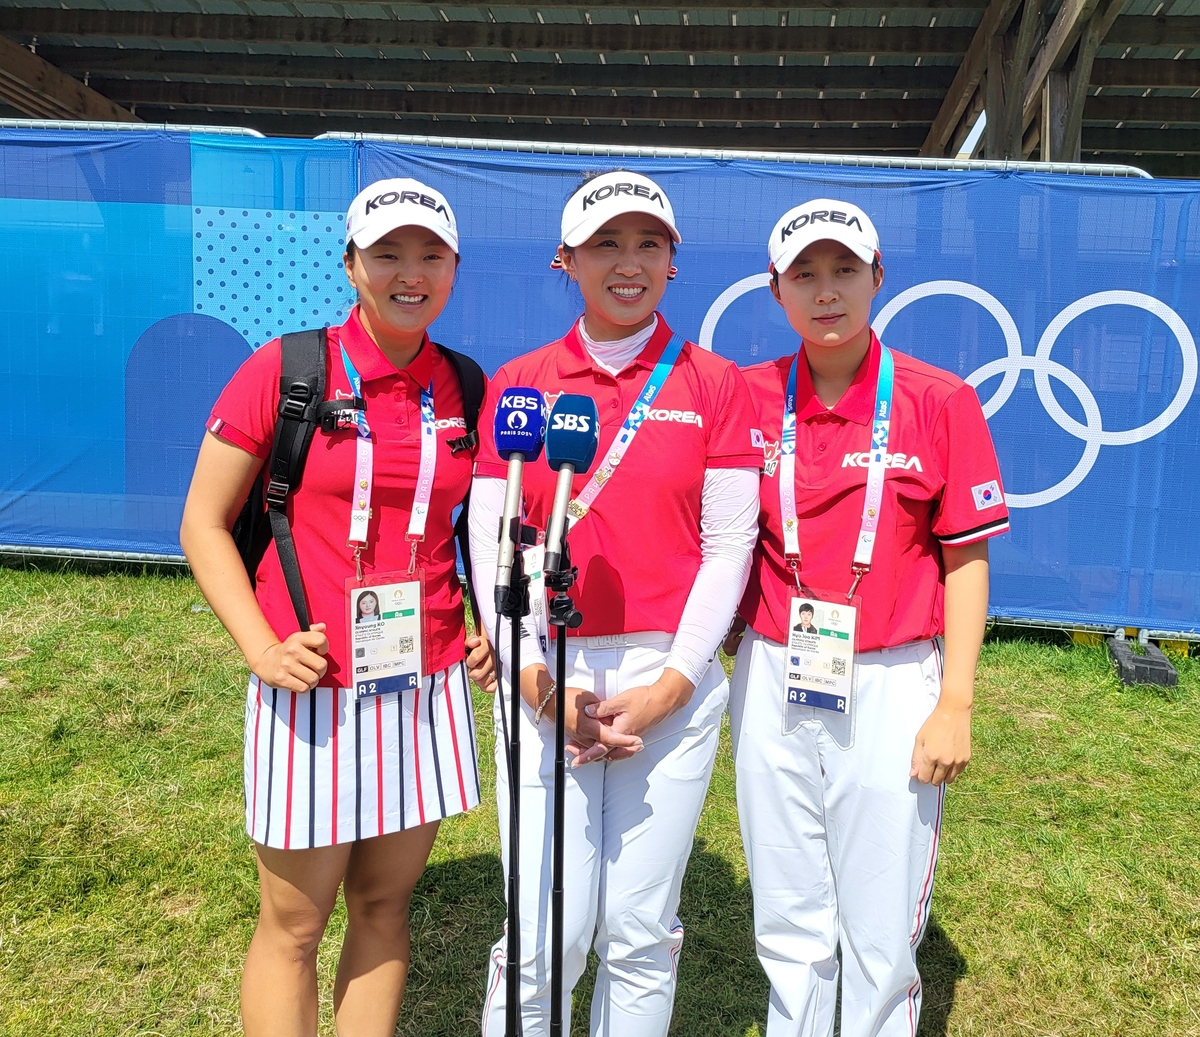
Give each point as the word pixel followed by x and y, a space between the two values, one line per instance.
pixel 1092 433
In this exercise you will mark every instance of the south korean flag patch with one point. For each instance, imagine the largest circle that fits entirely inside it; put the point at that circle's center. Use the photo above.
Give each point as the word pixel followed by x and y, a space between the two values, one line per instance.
pixel 987 495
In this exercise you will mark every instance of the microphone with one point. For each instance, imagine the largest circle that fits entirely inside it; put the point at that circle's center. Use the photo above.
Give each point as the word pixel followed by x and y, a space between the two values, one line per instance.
pixel 519 430
pixel 571 441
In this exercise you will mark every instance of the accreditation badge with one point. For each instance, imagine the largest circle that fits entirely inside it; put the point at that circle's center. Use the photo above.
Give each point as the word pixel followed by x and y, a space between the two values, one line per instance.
pixel 534 558
pixel 386 615
pixel 820 678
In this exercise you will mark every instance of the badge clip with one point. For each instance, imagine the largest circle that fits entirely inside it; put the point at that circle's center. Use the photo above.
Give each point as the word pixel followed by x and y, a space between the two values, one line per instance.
pixel 859 572
pixel 793 564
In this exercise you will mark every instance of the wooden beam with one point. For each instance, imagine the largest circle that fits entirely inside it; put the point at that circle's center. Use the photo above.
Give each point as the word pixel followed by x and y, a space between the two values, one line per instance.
pixel 517 105
pixel 114 63
pixel 501 36
pixel 1147 73
pixel 1015 85
pixel 1157 110
pixel 1054 103
pixel 997 78
pixel 866 140
pixel 1166 142
pixel 1140 31
pixel 967 123
pixel 1060 39
pixel 35 87
pixel 724 5
pixel 966 81
pixel 1093 34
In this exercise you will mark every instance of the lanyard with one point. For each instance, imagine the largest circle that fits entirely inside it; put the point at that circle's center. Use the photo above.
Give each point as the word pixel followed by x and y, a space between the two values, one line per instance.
pixel 876 471
pixel 580 506
pixel 360 506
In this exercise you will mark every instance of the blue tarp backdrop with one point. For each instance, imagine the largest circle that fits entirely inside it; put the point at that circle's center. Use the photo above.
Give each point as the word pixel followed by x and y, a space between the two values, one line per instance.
pixel 137 270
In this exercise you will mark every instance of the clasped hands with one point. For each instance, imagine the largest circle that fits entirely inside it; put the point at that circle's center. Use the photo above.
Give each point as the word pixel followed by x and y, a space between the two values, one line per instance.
pixel 606 728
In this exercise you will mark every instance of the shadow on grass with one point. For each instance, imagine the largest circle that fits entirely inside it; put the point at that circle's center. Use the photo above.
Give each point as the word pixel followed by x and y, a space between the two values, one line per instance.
pixel 942 965
pixel 459 911
pixel 457 914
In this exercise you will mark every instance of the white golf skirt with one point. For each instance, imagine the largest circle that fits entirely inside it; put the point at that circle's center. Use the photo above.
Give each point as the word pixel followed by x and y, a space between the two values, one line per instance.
pixel 323 768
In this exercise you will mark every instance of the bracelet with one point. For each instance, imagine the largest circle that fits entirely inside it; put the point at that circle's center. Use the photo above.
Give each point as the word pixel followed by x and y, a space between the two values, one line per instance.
pixel 537 713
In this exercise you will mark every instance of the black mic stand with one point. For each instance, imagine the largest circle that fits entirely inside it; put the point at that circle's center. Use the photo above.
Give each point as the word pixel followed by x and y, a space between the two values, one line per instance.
pixel 516 608
pixel 563 614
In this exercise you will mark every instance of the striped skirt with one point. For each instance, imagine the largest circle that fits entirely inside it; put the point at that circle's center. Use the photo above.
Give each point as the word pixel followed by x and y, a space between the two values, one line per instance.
pixel 324 768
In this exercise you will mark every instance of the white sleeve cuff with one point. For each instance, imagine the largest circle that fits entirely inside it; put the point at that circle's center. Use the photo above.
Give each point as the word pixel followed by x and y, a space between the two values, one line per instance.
pixel 728 533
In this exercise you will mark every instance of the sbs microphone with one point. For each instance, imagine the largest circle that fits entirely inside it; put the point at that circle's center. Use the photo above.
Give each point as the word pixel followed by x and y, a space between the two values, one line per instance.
pixel 519 431
pixel 572 436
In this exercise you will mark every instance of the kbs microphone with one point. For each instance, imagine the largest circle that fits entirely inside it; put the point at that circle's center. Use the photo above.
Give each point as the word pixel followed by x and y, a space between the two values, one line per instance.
pixel 571 440
pixel 519 431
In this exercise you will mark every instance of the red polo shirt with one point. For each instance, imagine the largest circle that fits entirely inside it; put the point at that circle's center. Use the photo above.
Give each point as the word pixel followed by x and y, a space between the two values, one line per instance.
pixel 638 547
pixel 942 487
pixel 320 509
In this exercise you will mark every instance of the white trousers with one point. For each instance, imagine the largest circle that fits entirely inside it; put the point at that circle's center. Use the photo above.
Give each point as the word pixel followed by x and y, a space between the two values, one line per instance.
pixel 841 843
pixel 628 834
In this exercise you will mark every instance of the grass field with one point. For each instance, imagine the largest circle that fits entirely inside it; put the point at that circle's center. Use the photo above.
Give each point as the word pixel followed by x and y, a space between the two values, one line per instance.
pixel 1068 900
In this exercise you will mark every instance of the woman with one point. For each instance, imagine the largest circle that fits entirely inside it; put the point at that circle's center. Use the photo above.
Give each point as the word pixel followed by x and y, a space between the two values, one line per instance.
pixel 345 786
pixel 663 553
pixel 367 609
pixel 848 718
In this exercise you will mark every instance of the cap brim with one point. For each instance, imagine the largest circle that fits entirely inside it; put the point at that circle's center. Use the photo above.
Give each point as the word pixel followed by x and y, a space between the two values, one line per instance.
pixel 367 237
pixel 628 204
pixel 800 240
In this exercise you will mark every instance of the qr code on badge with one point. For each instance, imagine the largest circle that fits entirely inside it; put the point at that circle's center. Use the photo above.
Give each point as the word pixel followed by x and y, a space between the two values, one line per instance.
pixel 837 667
pixel 405 644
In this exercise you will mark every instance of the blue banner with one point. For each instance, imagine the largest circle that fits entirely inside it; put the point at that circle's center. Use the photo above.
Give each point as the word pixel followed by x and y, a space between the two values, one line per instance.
pixel 140 269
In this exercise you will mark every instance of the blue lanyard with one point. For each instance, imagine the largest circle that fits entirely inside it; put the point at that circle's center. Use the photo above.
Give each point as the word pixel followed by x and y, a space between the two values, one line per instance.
pixel 629 428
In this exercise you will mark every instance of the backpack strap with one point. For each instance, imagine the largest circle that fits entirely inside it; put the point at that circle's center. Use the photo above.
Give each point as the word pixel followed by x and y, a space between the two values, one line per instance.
pixel 301 392
pixel 473 384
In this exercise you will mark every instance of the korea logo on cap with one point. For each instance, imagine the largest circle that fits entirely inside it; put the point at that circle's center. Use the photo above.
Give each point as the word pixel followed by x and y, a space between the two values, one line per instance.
pixel 820 220
pixel 613 194
pixel 400 202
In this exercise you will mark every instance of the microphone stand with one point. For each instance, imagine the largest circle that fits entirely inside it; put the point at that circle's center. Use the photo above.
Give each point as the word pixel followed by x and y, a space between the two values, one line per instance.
pixel 563 615
pixel 516 607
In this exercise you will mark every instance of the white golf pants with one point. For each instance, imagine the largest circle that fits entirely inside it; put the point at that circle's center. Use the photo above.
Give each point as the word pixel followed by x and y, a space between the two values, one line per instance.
pixel 628 834
pixel 841 843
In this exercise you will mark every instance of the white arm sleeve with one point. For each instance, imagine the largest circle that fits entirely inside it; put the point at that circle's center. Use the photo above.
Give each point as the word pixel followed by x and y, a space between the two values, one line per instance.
pixel 728 533
pixel 483 524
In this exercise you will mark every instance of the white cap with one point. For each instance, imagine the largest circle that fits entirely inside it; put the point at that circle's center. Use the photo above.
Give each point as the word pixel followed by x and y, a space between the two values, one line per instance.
pixel 820 220
pixel 612 194
pixel 400 202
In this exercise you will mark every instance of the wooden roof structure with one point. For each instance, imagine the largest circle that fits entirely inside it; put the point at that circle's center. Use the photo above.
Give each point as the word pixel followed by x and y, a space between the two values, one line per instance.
pixel 1104 81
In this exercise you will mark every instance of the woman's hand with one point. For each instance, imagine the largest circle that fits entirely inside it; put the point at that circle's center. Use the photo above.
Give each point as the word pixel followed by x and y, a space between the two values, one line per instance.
pixel 295 664
pixel 585 734
pixel 481 663
pixel 943 745
pixel 636 711
pixel 733 639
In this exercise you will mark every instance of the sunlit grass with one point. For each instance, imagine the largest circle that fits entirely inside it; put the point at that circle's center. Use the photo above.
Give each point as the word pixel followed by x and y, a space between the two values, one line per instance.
pixel 1068 900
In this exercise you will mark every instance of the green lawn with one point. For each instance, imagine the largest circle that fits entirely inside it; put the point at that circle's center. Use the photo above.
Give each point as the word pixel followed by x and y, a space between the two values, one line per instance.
pixel 1068 900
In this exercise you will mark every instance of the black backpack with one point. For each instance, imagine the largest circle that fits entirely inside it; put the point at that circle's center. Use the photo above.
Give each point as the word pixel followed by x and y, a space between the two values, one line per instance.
pixel 302 408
